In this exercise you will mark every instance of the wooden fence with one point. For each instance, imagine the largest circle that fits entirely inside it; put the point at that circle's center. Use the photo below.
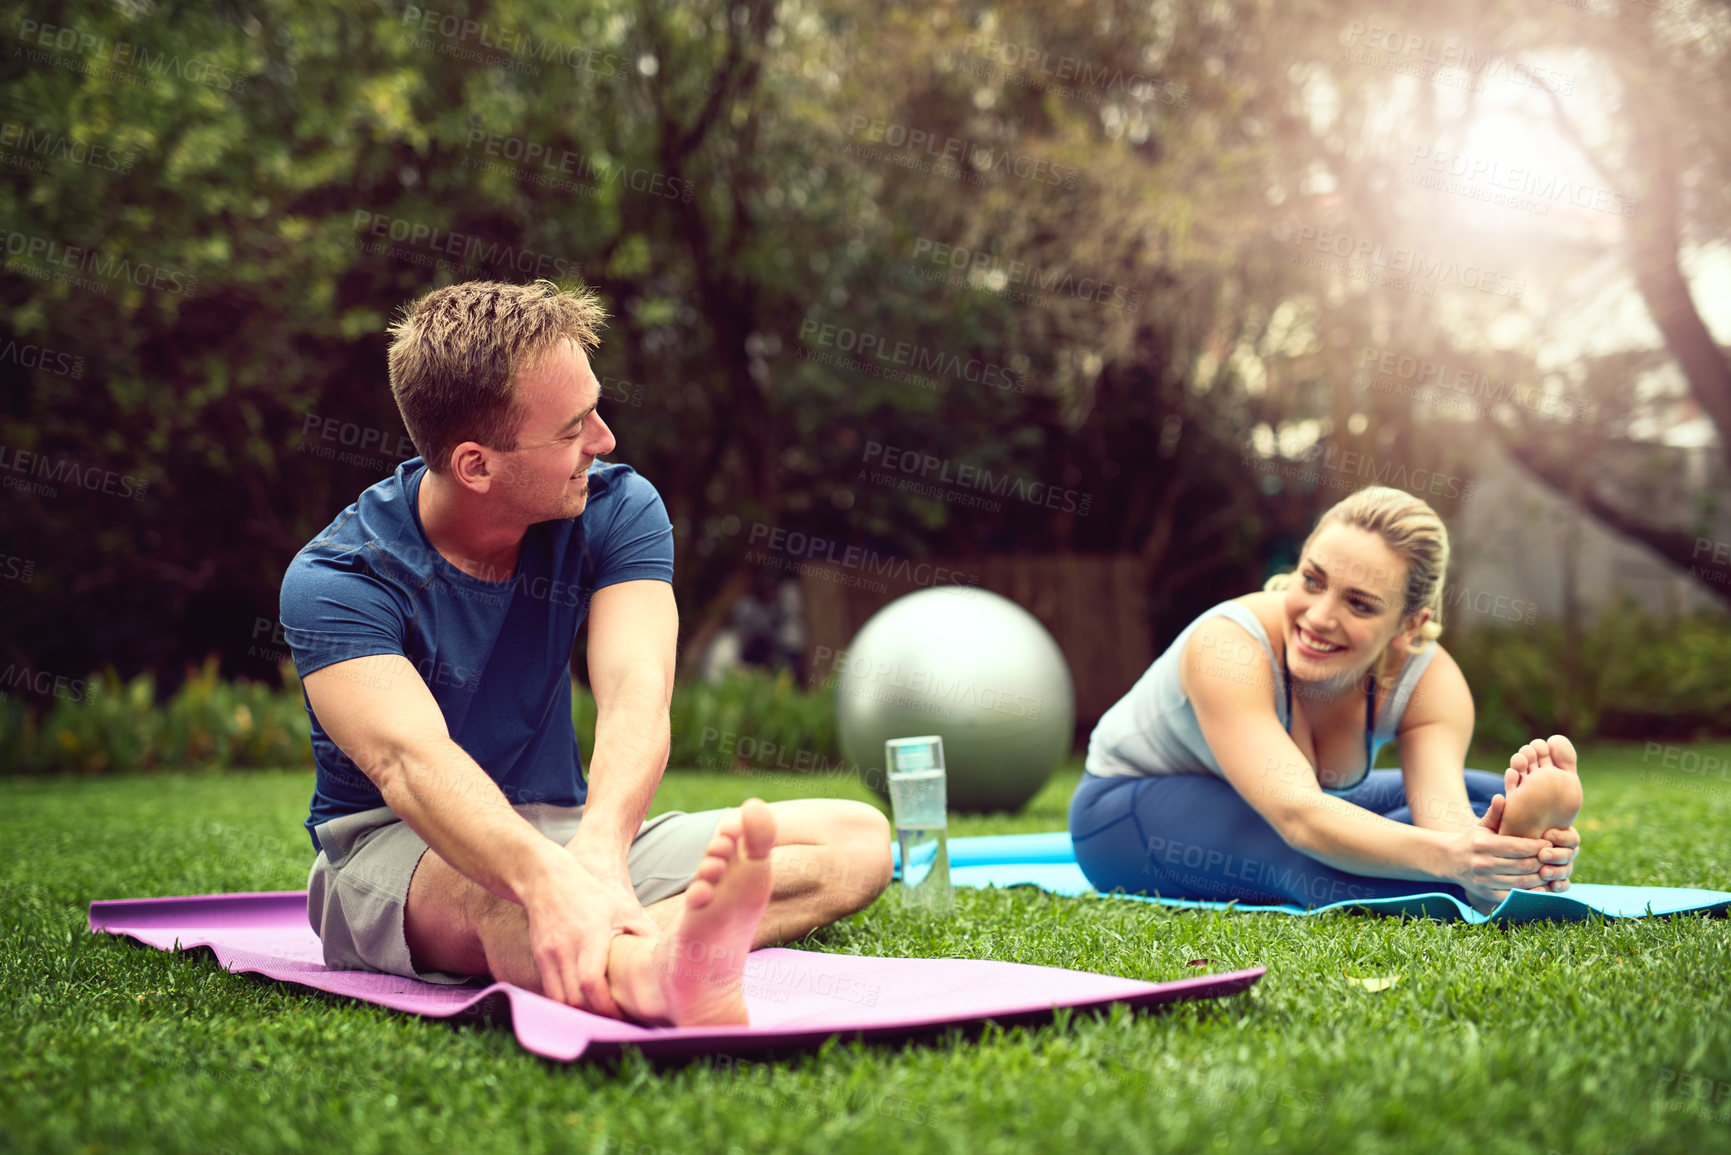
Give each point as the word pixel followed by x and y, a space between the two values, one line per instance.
pixel 1095 606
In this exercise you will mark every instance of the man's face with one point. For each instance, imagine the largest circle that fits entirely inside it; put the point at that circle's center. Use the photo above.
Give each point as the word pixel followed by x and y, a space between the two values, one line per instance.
pixel 545 477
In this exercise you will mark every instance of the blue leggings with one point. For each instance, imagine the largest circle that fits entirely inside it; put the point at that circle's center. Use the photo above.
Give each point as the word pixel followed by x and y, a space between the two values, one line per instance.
pixel 1193 836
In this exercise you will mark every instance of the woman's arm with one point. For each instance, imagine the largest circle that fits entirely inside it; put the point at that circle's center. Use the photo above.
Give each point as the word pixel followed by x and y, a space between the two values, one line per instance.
pixel 1231 689
pixel 1435 731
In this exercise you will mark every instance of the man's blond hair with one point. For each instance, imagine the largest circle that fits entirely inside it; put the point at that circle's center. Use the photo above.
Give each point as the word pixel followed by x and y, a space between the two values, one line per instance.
pixel 455 354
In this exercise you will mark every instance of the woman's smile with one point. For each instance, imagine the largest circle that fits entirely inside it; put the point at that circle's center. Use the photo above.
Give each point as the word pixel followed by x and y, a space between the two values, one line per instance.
pixel 1313 645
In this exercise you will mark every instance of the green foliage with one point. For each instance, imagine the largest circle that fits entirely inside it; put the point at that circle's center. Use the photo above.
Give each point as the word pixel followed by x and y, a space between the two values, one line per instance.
pixel 700 166
pixel 1638 676
pixel 294 174
pixel 752 719
pixel 749 719
pixel 106 724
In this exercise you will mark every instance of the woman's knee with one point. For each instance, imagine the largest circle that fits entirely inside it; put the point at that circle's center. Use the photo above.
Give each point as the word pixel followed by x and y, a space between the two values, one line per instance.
pixel 1099 803
pixel 1482 786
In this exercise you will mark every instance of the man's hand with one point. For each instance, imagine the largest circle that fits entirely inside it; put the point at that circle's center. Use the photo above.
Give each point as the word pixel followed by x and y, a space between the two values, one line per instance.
pixel 573 918
pixel 609 867
pixel 586 900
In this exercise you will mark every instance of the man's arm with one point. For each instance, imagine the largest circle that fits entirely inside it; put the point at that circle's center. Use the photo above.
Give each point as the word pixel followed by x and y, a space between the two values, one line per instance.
pixel 381 714
pixel 633 650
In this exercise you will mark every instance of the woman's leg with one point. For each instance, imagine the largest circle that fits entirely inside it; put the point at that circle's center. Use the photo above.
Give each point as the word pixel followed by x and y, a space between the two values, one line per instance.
pixel 1193 836
pixel 1384 792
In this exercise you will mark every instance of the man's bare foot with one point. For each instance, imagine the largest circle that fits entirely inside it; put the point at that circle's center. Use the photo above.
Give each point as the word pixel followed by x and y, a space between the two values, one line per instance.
pixel 699 963
pixel 1543 788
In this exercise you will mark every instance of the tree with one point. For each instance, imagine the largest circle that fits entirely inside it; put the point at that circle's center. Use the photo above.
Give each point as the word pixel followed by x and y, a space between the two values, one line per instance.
pixel 1054 252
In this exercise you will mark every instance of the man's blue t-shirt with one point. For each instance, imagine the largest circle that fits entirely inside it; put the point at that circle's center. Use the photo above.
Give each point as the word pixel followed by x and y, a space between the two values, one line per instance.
pixel 494 654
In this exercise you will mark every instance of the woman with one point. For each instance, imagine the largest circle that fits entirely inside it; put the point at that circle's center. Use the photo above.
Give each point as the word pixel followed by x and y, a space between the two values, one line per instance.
pixel 1238 766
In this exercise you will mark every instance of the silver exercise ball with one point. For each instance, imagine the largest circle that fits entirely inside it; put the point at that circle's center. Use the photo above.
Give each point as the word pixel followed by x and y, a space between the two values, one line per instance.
pixel 972 666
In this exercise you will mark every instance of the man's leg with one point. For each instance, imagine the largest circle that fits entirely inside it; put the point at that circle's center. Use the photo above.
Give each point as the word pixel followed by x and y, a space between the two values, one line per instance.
pixel 830 858
pixel 689 975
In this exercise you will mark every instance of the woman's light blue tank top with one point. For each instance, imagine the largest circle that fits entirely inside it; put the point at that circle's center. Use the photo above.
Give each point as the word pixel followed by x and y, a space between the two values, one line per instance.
pixel 1153 729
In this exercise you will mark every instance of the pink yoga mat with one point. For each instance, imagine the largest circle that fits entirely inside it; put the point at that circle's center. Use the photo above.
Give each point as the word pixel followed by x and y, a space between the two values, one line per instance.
pixel 796 997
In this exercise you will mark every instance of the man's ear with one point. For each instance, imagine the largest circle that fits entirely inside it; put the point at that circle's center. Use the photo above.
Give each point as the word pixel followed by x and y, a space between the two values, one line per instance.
pixel 471 466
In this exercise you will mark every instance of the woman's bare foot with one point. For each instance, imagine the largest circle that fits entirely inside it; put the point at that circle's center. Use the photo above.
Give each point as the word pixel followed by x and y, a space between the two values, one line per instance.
pixel 1543 788
pixel 698 965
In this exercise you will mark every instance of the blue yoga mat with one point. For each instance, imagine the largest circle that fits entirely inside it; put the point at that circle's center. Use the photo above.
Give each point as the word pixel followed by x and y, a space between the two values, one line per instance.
pixel 1049 862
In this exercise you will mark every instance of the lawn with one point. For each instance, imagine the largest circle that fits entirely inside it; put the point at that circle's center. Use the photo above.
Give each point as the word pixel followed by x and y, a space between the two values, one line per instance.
pixel 1548 1038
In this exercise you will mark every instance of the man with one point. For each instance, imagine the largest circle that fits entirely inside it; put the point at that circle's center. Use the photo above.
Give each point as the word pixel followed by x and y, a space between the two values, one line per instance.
pixel 432 622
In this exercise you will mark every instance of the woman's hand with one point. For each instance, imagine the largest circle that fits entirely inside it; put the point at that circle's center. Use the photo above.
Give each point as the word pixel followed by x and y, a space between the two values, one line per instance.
pixel 1559 861
pixel 1488 865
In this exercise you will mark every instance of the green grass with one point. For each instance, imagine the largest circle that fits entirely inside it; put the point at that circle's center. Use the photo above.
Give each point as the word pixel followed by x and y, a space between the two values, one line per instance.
pixel 1579 1038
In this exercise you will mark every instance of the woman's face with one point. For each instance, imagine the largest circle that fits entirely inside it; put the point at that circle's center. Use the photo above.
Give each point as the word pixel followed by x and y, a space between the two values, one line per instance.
pixel 1343 607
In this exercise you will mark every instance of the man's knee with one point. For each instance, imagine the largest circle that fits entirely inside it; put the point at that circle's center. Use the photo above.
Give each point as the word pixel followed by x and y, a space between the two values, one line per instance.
pixel 852 862
pixel 866 847
pixel 442 920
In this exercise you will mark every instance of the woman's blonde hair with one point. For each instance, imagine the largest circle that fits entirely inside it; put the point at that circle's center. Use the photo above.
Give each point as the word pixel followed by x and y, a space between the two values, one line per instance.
pixel 1413 531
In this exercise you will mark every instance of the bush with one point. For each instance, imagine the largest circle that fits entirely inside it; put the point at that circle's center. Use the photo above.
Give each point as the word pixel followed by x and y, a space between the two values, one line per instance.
pixel 752 718
pixel 1639 677
pixel 107 724
pixel 104 724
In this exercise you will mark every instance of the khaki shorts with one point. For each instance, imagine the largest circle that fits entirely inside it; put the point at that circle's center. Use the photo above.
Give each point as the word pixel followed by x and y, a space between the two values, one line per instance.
pixel 359 884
